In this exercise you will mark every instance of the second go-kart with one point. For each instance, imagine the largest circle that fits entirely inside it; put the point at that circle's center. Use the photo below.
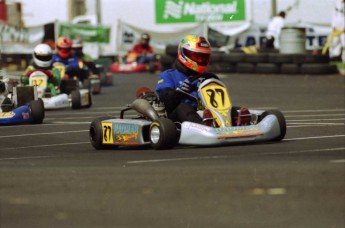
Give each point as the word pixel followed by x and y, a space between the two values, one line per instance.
pixel 151 127
pixel 21 106
pixel 69 94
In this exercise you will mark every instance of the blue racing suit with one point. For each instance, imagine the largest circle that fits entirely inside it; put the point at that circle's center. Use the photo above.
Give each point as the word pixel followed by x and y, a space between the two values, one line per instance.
pixel 71 63
pixel 173 79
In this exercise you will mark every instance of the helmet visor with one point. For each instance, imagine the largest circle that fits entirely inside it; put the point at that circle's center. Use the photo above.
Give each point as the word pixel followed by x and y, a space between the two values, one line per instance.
pixel 65 50
pixel 44 58
pixel 200 58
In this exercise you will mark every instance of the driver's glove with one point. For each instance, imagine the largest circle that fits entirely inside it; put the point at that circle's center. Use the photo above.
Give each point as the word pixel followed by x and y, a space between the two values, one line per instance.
pixel 186 86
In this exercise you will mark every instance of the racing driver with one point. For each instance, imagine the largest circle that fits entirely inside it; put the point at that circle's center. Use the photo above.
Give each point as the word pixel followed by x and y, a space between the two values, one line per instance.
pixel 193 56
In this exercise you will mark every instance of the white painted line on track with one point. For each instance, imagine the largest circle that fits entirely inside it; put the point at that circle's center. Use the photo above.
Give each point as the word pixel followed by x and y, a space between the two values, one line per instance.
pixel 39 146
pixel 24 158
pixel 314 137
pixel 47 133
pixel 317 110
pixel 231 156
pixel 328 115
pixel 316 120
pixel 314 125
pixel 337 161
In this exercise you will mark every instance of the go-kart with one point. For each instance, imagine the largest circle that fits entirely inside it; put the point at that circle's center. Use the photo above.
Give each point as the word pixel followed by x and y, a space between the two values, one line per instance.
pixel 92 80
pixel 69 94
pixel 151 127
pixel 131 65
pixel 21 106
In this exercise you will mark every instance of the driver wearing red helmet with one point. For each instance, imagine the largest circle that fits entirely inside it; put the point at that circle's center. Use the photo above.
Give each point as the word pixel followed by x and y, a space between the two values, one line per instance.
pixel 65 56
pixel 193 56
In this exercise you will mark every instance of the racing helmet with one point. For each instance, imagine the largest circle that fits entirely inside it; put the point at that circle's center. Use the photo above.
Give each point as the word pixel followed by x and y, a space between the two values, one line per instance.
pixel 77 47
pixel 42 55
pixel 77 43
pixel 64 47
pixel 194 52
pixel 145 39
pixel 145 36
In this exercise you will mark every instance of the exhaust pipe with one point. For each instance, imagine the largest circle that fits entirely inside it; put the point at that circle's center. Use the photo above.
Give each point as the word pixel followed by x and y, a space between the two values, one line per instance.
pixel 144 107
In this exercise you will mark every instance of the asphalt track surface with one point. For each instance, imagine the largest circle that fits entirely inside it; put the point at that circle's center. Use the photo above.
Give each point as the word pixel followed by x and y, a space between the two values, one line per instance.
pixel 50 176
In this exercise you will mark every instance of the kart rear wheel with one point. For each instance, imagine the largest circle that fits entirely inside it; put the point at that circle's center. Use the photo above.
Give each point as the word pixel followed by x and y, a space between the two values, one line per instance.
pixel 163 134
pixel 96 134
pixel 281 121
pixel 90 100
pixel 76 99
pixel 37 111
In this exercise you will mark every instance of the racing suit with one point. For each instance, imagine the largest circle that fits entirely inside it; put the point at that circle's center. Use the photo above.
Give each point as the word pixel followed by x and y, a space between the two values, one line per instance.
pixel 72 65
pixel 145 53
pixel 178 106
pixel 54 78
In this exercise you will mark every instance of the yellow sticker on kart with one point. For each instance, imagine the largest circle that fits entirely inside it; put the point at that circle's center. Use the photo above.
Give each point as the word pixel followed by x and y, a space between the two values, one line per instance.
pixel 216 96
pixel 6 114
pixel 107 133
pixel 39 80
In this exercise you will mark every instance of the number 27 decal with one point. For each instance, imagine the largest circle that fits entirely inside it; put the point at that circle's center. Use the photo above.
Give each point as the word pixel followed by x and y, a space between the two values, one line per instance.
pixel 107 133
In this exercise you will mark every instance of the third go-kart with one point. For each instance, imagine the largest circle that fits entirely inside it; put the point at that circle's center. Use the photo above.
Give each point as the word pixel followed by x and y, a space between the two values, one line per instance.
pixel 69 94
pixel 131 65
pixel 151 127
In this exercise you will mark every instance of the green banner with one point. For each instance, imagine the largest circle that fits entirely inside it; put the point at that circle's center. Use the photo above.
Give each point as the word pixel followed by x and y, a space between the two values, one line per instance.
pixel 186 11
pixel 88 33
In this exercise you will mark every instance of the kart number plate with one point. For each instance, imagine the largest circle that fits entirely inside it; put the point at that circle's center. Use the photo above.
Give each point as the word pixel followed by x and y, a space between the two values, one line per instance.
pixel 216 96
pixel 107 133
pixel 39 81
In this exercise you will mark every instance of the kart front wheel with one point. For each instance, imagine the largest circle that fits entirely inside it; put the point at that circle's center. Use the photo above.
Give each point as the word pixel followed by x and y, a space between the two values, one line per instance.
pixel 281 121
pixel 163 134
pixel 37 111
pixel 76 99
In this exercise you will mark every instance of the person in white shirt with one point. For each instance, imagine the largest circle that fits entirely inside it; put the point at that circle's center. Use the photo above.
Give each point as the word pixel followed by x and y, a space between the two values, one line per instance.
pixel 273 30
pixel 337 37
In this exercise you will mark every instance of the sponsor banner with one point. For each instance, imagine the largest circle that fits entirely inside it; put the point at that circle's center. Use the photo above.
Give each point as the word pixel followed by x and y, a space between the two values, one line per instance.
pixel 19 40
pixel 88 33
pixel 187 11
pixel 316 36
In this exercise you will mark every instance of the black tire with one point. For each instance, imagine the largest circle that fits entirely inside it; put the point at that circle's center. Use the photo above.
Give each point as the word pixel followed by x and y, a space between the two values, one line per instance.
pixel 37 111
pixel 310 58
pixel 281 121
pixel 216 57
pixel 267 68
pixel 96 88
pixel 221 67
pixel 290 68
pixel 76 99
pixel 256 58
pixel 90 100
pixel 171 50
pixel 163 134
pixel 152 67
pixel 280 58
pixel 234 57
pixel 245 68
pixel 318 68
pixel 96 134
